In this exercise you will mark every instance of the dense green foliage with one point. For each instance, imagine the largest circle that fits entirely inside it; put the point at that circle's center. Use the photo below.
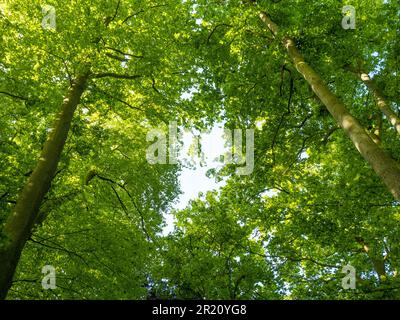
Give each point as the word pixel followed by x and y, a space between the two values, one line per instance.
pixel 312 204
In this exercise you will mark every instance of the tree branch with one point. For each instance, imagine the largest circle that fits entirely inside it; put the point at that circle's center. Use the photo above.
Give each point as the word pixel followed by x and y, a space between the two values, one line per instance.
pixel 118 99
pixel 14 96
pixel 215 29
pixel 142 11
pixel 115 75
pixel 115 15
pixel 59 248
pixel 124 53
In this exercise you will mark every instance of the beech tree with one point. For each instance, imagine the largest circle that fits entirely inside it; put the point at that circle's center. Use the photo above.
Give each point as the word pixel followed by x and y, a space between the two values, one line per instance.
pixel 82 84
pixel 108 51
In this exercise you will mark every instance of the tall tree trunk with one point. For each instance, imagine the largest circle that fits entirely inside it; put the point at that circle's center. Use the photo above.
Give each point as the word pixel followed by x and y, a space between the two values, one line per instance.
pixel 386 167
pixel 377 261
pixel 381 101
pixel 19 224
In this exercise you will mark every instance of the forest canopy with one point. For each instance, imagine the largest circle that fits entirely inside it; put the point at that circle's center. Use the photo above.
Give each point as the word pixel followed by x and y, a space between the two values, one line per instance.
pixel 308 93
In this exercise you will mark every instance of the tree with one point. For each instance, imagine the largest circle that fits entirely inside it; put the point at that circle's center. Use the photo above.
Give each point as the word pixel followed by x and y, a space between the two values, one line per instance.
pixel 312 205
pixel 314 202
pixel 90 53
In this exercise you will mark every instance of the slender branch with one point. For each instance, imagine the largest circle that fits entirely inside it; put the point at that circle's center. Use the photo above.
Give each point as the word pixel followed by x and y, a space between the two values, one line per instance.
pixel 124 53
pixel 122 153
pixel 10 201
pixel 60 248
pixel 142 11
pixel 138 210
pixel 118 99
pixel 294 259
pixel 153 85
pixel 26 280
pixel 329 133
pixel 215 29
pixel 14 96
pixel 132 15
pixel 115 75
pixel 112 56
pixel 123 205
pixel 5 194
pixel 301 125
pixel 63 61
pixel 105 179
pixel 129 105
pixel 121 202
pixel 115 14
pixel 66 233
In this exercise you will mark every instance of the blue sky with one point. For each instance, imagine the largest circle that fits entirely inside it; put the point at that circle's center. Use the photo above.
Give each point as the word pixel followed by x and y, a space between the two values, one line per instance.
pixel 194 180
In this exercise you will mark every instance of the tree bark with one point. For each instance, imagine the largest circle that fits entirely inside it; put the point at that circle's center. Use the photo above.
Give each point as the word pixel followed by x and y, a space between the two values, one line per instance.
pixel 377 262
pixel 385 166
pixel 19 224
pixel 381 101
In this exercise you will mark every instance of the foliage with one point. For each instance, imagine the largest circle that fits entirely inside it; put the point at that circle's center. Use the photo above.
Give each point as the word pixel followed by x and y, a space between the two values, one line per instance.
pixel 312 204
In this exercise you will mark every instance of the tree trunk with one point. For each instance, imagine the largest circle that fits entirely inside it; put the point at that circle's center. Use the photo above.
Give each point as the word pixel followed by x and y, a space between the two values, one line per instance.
pixel 377 262
pixel 381 102
pixel 386 167
pixel 19 224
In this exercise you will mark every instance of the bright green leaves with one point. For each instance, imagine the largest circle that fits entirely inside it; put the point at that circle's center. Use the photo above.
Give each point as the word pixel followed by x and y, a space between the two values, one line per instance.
pixel 311 206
